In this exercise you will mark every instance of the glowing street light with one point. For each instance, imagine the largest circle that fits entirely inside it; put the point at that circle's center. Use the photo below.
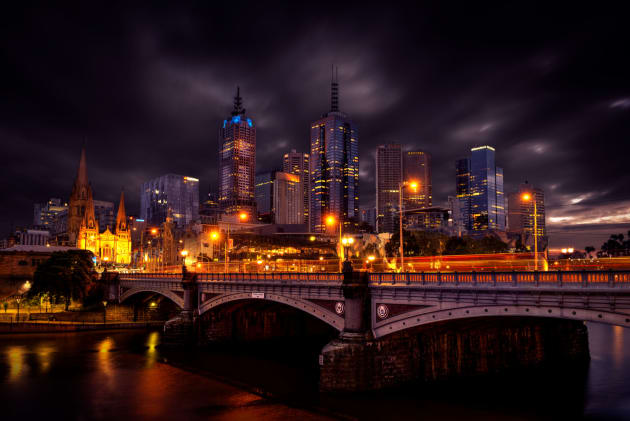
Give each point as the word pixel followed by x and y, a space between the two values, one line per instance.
pixel 331 221
pixel 184 253
pixel 154 231
pixel 414 186
pixel 312 238
pixel 242 216
pixel 526 198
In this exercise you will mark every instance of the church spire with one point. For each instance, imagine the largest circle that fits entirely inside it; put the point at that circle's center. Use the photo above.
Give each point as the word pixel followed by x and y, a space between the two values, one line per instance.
pixel 334 89
pixel 238 103
pixel 82 177
pixel 121 217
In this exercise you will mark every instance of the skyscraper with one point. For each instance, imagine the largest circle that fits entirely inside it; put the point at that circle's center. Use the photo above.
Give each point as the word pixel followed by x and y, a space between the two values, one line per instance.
pixel 264 195
pixel 299 164
pixel 521 212
pixel 479 187
pixel 237 161
pixel 334 167
pixel 417 167
pixel 389 172
pixel 288 200
pixel 178 193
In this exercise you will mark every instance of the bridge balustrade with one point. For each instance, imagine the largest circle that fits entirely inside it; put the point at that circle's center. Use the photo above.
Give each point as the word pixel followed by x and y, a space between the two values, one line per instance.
pixel 527 279
pixel 270 277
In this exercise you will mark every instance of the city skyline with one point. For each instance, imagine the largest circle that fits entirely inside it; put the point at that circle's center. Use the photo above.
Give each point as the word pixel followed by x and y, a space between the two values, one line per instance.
pixel 573 158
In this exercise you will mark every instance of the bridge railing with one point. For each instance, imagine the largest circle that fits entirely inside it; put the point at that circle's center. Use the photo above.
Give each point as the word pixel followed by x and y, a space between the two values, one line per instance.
pixel 569 279
pixel 150 275
pixel 271 277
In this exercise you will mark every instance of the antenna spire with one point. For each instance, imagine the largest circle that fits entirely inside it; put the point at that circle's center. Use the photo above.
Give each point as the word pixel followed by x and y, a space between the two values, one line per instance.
pixel 334 89
pixel 238 103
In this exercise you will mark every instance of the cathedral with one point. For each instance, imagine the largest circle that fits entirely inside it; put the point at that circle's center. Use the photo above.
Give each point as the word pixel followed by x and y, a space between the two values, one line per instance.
pixel 108 246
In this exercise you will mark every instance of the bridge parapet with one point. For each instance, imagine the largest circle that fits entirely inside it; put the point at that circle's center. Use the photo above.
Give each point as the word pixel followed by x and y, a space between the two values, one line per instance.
pixel 556 279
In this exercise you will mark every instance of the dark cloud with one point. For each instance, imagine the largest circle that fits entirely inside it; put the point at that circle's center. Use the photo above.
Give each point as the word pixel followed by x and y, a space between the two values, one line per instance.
pixel 148 86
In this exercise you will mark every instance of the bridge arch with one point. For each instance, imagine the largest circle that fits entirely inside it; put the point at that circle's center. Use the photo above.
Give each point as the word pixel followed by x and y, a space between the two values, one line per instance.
pixel 428 316
pixel 305 306
pixel 179 301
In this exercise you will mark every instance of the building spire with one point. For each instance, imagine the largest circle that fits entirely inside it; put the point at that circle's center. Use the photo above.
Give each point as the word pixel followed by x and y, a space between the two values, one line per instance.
pixel 238 103
pixel 82 177
pixel 121 217
pixel 334 89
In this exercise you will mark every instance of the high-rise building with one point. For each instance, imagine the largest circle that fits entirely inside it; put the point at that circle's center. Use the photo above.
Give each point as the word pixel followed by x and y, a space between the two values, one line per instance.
pixel 417 168
pixel 368 215
pixel 298 163
pixel 479 187
pixel 178 193
pixel 334 167
pixel 237 161
pixel 264 195
pixel 521 211
pixel 46 214
pixel 288 200
pixel 389 172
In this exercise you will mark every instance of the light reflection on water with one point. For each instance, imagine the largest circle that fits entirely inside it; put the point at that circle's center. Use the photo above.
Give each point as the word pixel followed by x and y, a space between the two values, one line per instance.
pixel 122 374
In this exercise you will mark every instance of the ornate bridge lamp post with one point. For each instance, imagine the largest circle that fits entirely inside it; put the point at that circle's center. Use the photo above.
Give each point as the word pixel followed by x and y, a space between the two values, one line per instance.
pixel 414 186
pixel 526 198
pixel 184 253
pixel 242 217
pixel 17 300
pixel 331 221
pixel 346 242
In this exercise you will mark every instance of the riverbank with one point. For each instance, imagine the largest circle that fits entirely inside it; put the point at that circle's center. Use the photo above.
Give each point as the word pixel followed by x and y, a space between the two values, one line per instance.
pixel 55 327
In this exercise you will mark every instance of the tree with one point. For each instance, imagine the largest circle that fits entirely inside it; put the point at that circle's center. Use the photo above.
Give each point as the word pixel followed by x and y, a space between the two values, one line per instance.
pixel 67 274
pixel 589 250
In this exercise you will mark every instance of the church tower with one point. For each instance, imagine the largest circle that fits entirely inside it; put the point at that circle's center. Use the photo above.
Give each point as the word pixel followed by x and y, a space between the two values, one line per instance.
pixel 79 198
pixel 88 235
pixel 122 233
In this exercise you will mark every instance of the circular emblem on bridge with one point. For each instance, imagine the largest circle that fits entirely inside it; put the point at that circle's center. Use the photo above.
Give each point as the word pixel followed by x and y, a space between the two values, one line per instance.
pixel 339 308
pixel 382 311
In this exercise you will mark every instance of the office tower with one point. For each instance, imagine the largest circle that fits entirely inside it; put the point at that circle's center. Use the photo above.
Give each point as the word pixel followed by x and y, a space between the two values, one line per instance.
pixel 389 172
pixel 334 167
pixel 417 168
pixel 521 211
pixel 104 212
pixel 237 161
pixel 479 187
pixel 45 214
pixel 299 164
pixel 288 200
pixel 368 215
pixel 178 193
pixel 264 196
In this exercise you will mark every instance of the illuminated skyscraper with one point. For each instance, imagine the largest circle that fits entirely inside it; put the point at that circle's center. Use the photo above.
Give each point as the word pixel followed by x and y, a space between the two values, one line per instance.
pixel 417 167
pixel 389 172
pixel 334 167
pixel 177 193
pixel 237 161
pixel 521 212
pixel 299 164
pixel 479 186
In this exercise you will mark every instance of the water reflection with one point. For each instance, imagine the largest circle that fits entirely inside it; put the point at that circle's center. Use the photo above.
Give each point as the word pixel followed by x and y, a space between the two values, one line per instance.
pixel 617 349
pixel 44 357
pixel 153 340
pixel 15 356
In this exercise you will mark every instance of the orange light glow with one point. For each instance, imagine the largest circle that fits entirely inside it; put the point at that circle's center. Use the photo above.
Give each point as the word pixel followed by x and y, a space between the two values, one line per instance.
pixel 214 235
pixel 184 253
pixel 154 231
pixel 242 216
pixel 413 185
pixel 526 197
pixel 331 220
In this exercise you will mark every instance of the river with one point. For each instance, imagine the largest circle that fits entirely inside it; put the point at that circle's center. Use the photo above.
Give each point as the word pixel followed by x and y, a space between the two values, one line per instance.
pixel 125 374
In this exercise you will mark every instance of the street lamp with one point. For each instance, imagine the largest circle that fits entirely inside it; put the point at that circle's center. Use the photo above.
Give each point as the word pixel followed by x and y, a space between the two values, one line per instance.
pixel 242 216
pixel 18 299
pixel 526 198
pixel 184 253
pixel 331 221
pixel 414 186
pixel 347 242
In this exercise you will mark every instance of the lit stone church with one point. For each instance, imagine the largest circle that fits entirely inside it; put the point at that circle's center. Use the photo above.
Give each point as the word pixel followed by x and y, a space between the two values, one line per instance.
pixel 114 244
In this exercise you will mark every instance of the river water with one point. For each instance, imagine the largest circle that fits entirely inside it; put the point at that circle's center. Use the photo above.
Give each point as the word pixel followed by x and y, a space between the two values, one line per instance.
pixel 124 375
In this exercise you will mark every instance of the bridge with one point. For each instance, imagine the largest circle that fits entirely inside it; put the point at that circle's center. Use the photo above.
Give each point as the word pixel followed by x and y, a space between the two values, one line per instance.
pixel 376 308
pixel 402 300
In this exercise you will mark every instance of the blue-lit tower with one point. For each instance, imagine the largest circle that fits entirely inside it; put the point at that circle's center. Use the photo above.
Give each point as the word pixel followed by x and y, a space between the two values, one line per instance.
pixel 334 167
pixel 237 162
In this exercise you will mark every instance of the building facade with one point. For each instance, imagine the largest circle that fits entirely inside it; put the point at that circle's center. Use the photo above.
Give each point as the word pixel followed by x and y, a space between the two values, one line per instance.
pixel 389 175
pixel 417 168
pixel 334 167
pixel 298 163
pixel 264 196
pixel 45 215
pixel 288 199
pixel 479 187
pixel 521 211
pixel 237 162
pixel 177 193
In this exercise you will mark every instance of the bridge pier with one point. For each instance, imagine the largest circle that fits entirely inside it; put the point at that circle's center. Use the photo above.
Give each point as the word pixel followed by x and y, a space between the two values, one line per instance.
pixel 180 330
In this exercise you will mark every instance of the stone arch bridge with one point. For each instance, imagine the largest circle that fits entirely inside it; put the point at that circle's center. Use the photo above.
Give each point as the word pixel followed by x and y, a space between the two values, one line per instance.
pixel 368 307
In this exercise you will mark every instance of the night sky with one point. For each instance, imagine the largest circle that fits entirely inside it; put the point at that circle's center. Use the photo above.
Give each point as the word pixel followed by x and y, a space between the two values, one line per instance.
pixel 149 86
